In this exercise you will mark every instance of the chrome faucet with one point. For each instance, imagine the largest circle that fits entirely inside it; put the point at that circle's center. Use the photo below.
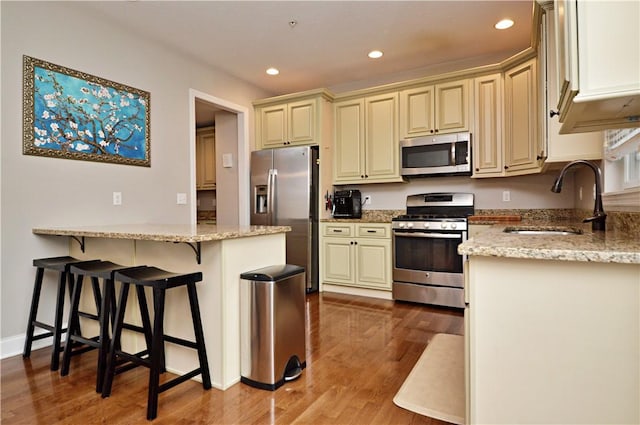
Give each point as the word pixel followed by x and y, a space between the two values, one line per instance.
pixel 599 216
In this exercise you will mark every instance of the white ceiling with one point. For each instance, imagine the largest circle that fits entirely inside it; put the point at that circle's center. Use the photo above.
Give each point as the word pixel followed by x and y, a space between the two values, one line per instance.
pixel 329 44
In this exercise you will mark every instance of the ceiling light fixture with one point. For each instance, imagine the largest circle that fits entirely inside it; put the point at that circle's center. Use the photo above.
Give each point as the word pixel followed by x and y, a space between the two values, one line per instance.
pixel 273 71
pixel 504 24
pixel 375 54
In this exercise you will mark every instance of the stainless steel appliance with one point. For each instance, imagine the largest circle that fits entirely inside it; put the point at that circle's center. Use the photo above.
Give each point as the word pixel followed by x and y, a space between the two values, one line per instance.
pixel 443 154
pixel 347 204
pixel 284 192
pixel 426 265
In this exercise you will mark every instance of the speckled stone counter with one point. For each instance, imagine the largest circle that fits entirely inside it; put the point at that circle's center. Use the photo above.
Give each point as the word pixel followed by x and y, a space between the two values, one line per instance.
pixel 601 247
pixel 163 232
pixel 368 216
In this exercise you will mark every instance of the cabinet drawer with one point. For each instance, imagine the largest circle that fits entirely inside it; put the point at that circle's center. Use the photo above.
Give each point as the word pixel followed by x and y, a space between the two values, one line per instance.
pixel 373 231
pixel 337 229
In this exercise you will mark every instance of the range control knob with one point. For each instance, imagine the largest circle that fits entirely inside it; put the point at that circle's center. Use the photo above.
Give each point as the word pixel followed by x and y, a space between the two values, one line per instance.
pixel 409 225
pixel 401 225
pixel 426 225
pixel 443 225
pixel 454 225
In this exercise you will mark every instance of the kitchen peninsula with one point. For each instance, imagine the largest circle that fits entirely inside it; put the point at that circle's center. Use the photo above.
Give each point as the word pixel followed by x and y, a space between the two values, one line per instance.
pixel 221 253
pixel 552 325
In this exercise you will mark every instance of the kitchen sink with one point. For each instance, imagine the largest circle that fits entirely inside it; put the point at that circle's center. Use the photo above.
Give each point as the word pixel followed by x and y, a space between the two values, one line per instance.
pixel 550 231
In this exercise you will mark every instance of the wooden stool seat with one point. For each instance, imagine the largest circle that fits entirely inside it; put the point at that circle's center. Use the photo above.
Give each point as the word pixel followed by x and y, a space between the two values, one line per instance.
pixel 159 280
pixel 55 330
pixel 105 307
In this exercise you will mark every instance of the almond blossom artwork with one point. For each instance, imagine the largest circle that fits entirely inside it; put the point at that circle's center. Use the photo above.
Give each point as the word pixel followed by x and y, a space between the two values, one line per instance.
pixel 70 114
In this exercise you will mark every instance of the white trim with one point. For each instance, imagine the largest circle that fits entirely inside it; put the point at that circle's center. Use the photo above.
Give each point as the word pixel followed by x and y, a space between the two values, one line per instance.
pixel 362 292
pixel 627 200
pixel 13 345
pixel 243 152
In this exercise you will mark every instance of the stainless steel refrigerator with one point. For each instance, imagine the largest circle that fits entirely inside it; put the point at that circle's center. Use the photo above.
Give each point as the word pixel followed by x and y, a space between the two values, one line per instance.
pixel 284 192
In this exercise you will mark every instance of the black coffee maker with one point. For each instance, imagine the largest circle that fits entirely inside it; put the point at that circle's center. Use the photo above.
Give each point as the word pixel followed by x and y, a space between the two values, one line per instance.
pixel 347 204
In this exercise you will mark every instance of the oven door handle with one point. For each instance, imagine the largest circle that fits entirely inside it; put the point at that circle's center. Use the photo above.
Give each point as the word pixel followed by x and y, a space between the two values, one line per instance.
pixel 427 235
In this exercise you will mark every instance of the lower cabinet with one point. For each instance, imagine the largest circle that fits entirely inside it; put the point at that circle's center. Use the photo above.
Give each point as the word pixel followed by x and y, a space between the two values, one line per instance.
pixel 357 254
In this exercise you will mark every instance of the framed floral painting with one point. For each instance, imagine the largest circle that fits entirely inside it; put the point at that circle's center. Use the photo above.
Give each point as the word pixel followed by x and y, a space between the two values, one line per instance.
pixel 74 115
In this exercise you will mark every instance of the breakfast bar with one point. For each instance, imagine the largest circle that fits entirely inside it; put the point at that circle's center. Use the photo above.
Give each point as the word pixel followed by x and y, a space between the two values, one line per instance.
pixel 221 253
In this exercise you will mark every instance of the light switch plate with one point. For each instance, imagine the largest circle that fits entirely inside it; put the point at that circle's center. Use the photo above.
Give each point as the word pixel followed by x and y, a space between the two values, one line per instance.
pixel 117 198
pixel 181 198
pixel 227 160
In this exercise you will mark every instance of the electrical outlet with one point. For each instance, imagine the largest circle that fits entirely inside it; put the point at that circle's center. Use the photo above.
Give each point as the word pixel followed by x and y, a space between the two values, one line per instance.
pixel 367 200
pixel 117 198
pixel 181 198
pixel 506 196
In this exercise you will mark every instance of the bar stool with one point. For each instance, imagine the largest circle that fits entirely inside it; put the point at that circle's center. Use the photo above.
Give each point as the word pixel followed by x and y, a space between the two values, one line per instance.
pixel 105 300
pixel 60 265
pixel 159 280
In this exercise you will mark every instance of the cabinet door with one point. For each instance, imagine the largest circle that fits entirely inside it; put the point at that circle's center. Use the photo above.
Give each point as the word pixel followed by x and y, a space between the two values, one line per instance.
pixel 565 147
pixel 374 263
pixel 452 107
pixel 339 266
pixel 416 112
pixel 487 139
pixel 208 143
pixel 302 122
pixel 521 119
pixel 382 138
pixel 349 141
pixel 273 126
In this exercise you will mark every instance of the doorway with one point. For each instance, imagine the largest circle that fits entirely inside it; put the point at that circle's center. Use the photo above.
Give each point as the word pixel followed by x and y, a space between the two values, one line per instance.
pixel 231 156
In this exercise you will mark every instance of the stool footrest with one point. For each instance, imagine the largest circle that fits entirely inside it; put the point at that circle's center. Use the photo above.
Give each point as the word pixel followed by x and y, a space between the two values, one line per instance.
pixel 92 342
pixel 179 380
pixel 88 315
pixel 180 341
pixel 136 359
pixel 47 327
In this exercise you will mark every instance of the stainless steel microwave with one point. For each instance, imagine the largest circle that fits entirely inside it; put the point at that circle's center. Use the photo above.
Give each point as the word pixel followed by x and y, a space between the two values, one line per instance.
pixel 444 154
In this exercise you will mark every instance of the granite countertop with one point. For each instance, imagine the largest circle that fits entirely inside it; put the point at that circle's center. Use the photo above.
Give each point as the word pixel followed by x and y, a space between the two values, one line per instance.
pixel 600 247
pixel 163 232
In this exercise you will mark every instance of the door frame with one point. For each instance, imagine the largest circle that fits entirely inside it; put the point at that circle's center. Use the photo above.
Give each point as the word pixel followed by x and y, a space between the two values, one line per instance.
pixel 242 153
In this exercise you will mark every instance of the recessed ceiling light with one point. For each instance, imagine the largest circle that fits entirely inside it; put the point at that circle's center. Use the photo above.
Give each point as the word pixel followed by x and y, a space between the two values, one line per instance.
pixel 504 24
pixel 375 54
pixel 273 71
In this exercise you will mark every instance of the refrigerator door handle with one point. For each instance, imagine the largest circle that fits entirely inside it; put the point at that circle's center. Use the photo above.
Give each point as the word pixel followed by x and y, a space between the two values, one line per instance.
pixel 271 196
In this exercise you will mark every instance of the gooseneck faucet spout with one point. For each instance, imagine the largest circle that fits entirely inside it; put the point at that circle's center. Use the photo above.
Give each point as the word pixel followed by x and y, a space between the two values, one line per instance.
pixel 599 216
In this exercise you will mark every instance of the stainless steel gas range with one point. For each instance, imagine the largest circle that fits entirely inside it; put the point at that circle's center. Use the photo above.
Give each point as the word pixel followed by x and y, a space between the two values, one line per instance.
pixel 426 265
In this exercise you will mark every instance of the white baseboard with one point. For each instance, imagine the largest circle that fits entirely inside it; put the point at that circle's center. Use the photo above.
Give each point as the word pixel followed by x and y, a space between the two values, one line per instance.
pixel 13 345
pixel 363 292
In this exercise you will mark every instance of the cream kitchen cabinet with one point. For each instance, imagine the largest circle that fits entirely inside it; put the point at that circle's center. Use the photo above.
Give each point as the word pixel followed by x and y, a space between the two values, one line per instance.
pixel 507 140
pixel 366 140
pixel 598 64
pixel 523 148
pixel 357 255
pixel 487 140
pixel 291 120
pixel 205 158
pixel 440 108
pixel 561 147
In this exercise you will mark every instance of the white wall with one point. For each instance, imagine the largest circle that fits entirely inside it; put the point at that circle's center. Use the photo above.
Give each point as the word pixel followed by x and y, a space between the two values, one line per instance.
pixel 226 178
pixel 526 192
pixel 39 191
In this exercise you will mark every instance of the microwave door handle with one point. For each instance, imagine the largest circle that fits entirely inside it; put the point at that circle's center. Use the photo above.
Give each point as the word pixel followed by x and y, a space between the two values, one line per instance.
pixel 428 235
pixel 453 153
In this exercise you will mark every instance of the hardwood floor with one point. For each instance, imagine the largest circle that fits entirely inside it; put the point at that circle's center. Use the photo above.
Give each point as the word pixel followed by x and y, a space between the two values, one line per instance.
pixel 359 352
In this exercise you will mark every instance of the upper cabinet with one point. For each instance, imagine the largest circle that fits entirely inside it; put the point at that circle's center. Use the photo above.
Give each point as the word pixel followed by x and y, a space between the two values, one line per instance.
pixel 560 147
pixel 598 64
pixel 205 158
pixel 487 139
pixel 435 109
pixel 523 147
pixel 367 140
pixel 289 121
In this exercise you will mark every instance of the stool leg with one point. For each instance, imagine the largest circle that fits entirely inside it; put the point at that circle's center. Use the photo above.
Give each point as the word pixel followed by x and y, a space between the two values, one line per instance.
pixel 115 341
pixel 72 328
pixel 199 333
pixel 144 315
pixel 157 348
pixel 103 316
pixel 57 327
pixel 35 300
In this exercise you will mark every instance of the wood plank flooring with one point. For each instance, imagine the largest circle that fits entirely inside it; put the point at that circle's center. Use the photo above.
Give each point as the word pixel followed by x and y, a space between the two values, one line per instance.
pixel 359 352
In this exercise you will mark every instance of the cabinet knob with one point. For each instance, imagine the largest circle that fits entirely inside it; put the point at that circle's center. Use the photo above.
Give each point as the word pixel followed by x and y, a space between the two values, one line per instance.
pixel 506 167
pixel 553 113
pixel 430 131
pixel 477 169
pixel 361 176
pixel 437 130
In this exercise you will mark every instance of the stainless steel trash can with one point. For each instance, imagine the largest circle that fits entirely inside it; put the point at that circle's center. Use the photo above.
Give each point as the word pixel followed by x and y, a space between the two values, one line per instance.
pixel 272 325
